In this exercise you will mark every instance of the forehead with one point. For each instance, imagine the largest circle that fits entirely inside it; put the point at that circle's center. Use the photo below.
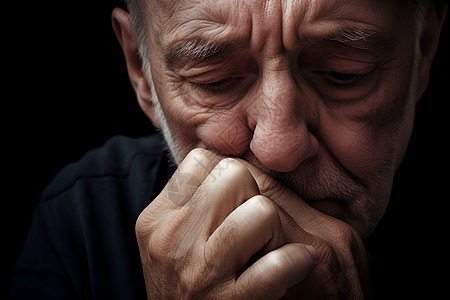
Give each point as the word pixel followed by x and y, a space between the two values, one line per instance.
pixel 173 10
pixel 259 19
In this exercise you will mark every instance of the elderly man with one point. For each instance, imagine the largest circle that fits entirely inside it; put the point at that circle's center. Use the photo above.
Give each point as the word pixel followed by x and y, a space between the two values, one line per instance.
pixel 286 121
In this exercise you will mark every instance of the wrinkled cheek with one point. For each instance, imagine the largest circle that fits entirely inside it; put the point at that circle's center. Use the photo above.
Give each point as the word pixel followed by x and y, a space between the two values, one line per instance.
pixel 224 132
pixel 369 157
pixel 230 136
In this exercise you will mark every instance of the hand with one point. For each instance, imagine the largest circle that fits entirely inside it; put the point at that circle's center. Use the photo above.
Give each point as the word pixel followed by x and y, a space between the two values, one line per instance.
pixel 343 270
pixel 210 234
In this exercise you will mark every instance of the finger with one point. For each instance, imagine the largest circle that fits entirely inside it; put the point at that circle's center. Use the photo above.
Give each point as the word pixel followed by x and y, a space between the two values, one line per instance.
pixel 189 175
pixel 197 209
pixel 254 228
pixel 271 275
pixel 292 208
pixel 227 186
pixel 270 187
pixel 179 190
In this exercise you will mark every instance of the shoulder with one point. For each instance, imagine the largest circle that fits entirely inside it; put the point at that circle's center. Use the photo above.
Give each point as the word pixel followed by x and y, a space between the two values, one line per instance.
pixel 85 221
pixel 119 158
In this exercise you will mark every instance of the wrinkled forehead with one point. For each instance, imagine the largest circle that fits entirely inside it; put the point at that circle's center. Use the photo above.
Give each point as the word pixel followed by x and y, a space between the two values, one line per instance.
pixel 172 9
pixel 172 15
pixel 163 10
pixel 175 18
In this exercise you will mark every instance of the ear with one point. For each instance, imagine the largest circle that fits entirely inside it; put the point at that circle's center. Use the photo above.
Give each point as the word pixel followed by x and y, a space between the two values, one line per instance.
pixel 128 41
pixel 434 19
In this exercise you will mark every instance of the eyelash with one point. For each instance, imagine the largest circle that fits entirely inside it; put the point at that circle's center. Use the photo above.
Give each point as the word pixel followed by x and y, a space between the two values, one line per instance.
pixel 337 79
pixel 216 86
pixel 344 80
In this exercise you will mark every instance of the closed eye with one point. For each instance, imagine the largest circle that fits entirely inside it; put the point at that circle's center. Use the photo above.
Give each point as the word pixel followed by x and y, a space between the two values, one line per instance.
pixel 344 79
pixel 216 86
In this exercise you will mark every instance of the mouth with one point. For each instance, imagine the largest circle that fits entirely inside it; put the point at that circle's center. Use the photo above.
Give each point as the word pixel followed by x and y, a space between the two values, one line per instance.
pixel 329 206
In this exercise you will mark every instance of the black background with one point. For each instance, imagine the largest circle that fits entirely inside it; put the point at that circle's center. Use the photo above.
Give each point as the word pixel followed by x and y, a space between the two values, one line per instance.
pixel 65 91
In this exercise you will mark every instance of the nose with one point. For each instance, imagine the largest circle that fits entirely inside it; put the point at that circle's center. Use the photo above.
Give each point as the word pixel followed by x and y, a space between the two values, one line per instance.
pixel 279 117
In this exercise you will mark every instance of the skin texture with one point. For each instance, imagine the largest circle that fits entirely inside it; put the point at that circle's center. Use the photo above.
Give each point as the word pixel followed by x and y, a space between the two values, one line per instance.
pixel 248 240
pixel 315 100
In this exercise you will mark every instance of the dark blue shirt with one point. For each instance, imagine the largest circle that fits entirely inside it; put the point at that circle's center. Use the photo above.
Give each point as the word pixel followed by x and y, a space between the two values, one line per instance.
pixel 82 241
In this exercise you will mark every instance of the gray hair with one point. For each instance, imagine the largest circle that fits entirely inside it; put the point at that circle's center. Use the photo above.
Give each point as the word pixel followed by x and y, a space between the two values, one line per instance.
pixel 137 9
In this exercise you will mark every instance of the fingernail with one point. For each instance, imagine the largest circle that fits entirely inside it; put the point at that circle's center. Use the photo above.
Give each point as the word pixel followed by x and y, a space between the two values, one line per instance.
pixel 313 253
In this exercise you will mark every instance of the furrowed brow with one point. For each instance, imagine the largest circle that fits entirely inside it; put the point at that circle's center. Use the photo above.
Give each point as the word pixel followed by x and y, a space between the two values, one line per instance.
pixel 185 51
pixel 359 39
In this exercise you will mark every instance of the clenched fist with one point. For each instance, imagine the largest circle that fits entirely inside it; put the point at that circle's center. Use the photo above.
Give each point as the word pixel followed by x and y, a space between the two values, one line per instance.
pixel 222 229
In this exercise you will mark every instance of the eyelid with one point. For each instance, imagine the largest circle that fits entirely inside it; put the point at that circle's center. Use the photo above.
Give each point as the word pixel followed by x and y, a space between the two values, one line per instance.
pixel 336 91
pixel 208 77
pixel 328 68
pixel 216 86
pixel 353 77
pixel 354 69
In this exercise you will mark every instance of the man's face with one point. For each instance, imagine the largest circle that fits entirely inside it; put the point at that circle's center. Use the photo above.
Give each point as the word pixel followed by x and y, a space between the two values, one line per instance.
pixel 318 94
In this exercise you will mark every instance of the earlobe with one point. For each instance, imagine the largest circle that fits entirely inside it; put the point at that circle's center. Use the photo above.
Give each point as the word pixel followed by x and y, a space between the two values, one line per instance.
pixel 433 21
pixel 127 39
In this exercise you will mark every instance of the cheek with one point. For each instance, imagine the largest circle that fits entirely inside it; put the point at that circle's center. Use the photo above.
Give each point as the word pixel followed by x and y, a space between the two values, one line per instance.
pixel 368 147
pixel 352 147
pixel 192 125
pixel 225 133
pixel 369 138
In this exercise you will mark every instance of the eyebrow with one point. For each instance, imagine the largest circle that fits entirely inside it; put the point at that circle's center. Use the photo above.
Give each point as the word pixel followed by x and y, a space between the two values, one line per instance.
pixel 373 42
pixel 196 48
pixel 349 35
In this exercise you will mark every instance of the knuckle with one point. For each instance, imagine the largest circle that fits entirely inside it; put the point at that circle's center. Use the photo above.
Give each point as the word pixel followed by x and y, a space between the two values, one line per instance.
pixel 201 155
pixel 345 235
pixel 158 251
pixel 234 173
pixel 328 255
pixel 153 246
pixel 339 245
pixel 143 226
pixel 198 153
pixel 269 186
pixel 196 282
pixel 338 264
pixel 157 238
pixel 263 207
pixel 232 167
pixel 148 220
